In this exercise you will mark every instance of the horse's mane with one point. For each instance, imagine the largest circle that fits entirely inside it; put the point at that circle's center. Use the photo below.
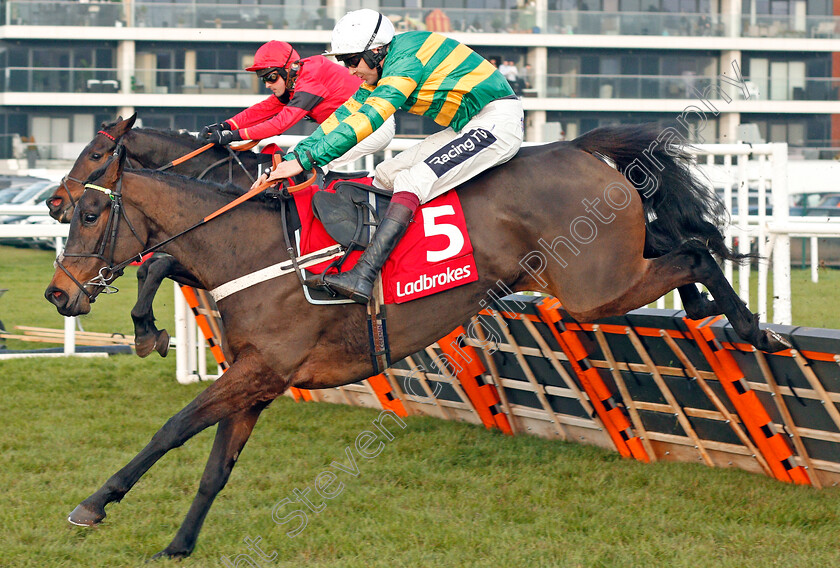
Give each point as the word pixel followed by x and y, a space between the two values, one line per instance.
pixel 178 135
pixel 184 138
pixel 226 190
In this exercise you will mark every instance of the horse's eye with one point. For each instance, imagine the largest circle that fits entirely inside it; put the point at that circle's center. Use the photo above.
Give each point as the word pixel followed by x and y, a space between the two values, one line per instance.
pixel 89 218
pixel 96 156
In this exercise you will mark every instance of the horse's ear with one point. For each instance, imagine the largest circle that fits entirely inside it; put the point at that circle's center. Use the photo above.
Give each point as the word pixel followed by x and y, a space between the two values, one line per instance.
pixel 122 126
pixel 114 167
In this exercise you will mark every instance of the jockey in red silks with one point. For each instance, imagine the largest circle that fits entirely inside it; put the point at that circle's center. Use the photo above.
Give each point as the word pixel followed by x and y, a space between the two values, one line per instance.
pixel 311 88
pixel 422 73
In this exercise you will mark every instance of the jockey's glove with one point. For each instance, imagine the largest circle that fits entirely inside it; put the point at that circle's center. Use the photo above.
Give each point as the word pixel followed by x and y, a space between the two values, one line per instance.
pixel 208 130
pixel 224 137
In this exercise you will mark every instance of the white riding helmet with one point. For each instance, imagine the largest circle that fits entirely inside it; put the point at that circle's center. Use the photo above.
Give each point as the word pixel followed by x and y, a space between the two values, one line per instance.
pixel 359 31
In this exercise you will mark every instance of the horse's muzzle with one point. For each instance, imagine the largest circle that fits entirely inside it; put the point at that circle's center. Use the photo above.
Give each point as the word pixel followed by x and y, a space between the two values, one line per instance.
pixel 60 209
pixel 66 304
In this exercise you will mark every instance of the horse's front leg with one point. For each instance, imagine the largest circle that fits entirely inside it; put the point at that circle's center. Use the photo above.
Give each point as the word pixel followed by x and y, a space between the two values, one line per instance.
pixel 147 337
pixel 244 385
pixel 150 275
pixel 231 435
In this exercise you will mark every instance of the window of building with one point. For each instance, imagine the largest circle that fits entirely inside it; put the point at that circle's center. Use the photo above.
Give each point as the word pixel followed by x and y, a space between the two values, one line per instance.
pixel 783 76
pixel 819 8
pixel 54 67
pixel 573 124
pixel 628 74
pixel 797 131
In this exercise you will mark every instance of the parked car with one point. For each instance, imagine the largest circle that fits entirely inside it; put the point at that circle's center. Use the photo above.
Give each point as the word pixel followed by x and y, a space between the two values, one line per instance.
pixel 8 194
pixel 32 194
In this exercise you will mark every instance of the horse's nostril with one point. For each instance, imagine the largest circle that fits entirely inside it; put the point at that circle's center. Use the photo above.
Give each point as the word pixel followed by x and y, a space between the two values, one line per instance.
pixel 56 296
pixel 55 202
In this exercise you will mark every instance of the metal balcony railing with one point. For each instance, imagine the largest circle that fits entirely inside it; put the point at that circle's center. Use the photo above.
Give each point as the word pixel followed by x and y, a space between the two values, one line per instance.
pixel 573 85
pixel 244 16
pixel 58 80
pixel 639 23
pixel 825 27
pixel 64 13
pixel 566 85
pixel 305 16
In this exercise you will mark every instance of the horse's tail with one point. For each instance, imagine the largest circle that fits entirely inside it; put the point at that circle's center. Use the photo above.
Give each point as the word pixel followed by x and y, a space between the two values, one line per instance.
pixel 677 205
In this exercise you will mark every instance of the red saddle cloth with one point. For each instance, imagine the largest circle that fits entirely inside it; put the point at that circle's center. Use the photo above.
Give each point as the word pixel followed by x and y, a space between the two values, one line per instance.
pixel 434 255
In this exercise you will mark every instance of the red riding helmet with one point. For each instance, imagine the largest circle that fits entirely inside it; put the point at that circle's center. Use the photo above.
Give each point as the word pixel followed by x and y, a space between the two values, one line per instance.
pixel 274 54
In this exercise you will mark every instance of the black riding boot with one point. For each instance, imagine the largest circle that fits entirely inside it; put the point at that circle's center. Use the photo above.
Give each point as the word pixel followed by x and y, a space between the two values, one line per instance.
pixel 357 283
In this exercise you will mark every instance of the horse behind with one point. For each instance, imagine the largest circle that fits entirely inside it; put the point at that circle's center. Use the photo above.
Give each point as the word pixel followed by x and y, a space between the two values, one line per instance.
pixel 151 148
pixel 527 220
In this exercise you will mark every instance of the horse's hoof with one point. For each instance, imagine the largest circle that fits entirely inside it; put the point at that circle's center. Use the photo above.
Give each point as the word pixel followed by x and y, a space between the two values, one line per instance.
pixel 84 517
pixel 143 346
pixel 162 343
pixel 167 553
pixel 773 342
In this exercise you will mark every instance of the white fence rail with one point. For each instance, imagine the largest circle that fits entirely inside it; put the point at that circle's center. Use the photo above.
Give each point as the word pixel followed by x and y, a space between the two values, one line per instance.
pixel 745 166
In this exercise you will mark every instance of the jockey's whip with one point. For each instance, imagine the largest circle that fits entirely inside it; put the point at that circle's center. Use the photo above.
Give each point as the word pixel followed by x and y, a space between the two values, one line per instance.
pixel 194 153
pixel 255 191
pixel 186 157
pixel 238 201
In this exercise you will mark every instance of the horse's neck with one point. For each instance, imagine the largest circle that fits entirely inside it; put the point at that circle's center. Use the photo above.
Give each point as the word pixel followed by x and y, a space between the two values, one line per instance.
pixel 233 244
pixel 154 149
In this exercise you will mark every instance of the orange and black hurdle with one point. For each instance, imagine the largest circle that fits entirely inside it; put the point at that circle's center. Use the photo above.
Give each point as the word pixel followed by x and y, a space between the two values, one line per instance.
pixel 651 385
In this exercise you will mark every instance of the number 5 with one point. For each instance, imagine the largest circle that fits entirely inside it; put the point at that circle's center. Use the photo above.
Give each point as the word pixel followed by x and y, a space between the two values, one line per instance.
pixel 448 230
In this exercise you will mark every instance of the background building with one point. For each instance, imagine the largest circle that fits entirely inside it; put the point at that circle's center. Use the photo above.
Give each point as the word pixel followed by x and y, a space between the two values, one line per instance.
pixel 67 66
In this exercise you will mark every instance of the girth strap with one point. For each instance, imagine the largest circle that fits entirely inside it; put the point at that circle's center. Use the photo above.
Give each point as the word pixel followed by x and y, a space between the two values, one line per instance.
pixel 380 349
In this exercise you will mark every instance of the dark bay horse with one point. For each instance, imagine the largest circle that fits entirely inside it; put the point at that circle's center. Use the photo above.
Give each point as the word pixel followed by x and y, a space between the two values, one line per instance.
pixel 152 149
pixel 516 215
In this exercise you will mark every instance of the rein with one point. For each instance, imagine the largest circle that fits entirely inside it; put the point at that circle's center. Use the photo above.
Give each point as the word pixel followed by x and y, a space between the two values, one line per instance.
pixel 108 241
pixel 111 271
pixel 231 158
pixel 67 189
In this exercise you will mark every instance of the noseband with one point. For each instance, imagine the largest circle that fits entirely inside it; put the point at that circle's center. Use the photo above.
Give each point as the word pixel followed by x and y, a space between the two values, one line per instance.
pixel 107 246
pixel 109 239
pixel 63 184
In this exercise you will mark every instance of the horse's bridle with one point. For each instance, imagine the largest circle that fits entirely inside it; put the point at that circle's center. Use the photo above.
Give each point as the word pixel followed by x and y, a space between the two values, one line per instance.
pixel 67 189
pixel 232 157
pixel 107 245
pixel 109 240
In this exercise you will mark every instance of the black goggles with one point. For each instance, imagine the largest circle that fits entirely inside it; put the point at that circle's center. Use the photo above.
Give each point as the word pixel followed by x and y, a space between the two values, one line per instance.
pixel 270 75
pixel 351 60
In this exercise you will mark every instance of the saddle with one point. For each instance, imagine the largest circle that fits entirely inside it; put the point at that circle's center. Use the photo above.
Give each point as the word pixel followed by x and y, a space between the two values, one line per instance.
pixel 349 214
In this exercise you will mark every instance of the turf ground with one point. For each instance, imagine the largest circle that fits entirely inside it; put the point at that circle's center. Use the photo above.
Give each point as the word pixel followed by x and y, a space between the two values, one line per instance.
pixel 439 494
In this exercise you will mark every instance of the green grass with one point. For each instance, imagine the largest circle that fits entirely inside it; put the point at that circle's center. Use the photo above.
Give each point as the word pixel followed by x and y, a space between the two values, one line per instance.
pixel 439 494
pixel 26 273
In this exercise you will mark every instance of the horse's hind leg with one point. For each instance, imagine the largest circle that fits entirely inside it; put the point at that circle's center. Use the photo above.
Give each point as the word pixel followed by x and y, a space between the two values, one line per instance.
pixel 243 386
pixel 691 262
pixel 231 435
pixel 697 304
pixel 744 322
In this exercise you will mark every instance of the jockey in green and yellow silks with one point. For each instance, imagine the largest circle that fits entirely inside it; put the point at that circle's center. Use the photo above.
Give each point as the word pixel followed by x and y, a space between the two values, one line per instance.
pixel 423 73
